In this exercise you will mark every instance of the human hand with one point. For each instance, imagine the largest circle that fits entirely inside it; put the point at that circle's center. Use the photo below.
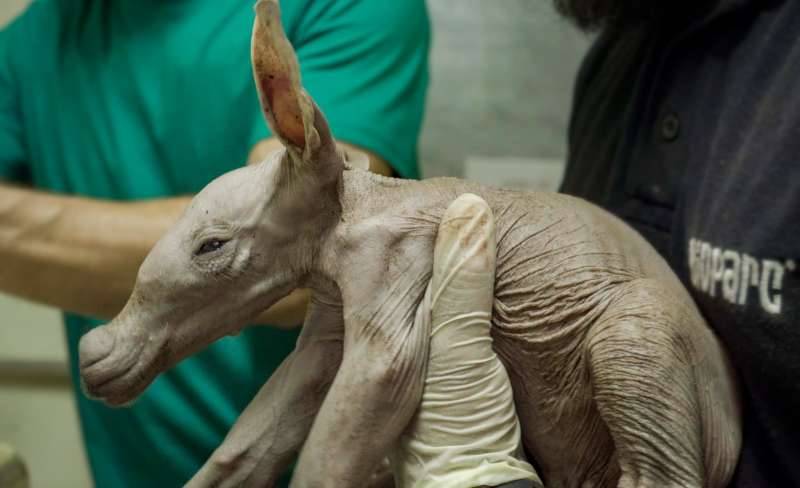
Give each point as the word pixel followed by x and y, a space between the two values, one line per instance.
pixel 466 432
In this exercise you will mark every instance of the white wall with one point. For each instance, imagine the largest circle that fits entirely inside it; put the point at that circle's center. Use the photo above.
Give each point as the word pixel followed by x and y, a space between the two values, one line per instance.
pixel 37 410
pixel 501 84
pixel 9 8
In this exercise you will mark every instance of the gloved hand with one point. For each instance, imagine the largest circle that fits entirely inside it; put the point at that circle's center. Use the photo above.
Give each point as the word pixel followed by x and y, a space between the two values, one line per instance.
pixel 466 432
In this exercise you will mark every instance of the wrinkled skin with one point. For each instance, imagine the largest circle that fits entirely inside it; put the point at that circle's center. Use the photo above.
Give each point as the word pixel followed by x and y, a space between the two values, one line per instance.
pixel 617 379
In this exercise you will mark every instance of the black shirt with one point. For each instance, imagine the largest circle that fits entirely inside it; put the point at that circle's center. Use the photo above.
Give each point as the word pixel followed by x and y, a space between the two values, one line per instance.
pixel 690 131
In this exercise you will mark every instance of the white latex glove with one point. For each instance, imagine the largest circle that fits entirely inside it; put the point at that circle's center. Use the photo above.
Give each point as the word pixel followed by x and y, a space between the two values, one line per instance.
pixel 466 432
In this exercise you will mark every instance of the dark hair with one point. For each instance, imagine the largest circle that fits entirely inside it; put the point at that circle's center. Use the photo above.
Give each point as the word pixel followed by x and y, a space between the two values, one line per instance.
pixel 587 14
pixel 595 14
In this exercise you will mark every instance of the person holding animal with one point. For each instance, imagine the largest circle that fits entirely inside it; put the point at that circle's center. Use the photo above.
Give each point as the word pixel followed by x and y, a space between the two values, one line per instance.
pixel 617 380
pixel 112 114
pixel 684 125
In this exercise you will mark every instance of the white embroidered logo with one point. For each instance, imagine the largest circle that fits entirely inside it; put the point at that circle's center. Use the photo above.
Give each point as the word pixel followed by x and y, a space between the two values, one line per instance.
pixel 715 270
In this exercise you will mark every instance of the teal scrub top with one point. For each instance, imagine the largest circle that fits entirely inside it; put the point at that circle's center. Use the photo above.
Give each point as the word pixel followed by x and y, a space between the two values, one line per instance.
pixel 139 99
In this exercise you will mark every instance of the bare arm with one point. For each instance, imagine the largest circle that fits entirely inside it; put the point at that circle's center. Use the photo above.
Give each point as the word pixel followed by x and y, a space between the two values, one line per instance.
pixel 82 255
pixel 75 253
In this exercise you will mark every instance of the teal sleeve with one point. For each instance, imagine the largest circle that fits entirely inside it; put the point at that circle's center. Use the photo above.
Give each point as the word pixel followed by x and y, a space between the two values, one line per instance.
pixel 365 62
pixel 13 157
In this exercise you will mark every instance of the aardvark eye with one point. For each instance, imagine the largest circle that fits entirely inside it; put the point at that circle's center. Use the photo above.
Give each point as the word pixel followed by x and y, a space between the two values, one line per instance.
pixel 210 245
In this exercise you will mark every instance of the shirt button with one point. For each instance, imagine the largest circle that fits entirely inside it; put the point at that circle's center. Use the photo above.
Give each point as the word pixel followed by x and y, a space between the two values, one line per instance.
pixel 670 127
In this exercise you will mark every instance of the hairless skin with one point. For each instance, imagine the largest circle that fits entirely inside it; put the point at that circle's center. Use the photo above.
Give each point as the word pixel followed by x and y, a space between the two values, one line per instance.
pixel 617 379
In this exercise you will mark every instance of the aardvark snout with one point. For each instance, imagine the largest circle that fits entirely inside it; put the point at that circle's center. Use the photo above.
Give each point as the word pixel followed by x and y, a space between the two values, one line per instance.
pixel 95 346
pixel 115 366
pixel 99 360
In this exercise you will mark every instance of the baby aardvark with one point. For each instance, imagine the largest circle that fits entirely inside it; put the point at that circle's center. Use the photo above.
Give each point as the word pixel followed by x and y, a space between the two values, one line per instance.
pixel 617 379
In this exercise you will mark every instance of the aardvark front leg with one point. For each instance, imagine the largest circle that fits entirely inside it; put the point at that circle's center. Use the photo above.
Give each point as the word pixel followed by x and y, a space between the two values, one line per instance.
pixel 376 391
pixel 273 427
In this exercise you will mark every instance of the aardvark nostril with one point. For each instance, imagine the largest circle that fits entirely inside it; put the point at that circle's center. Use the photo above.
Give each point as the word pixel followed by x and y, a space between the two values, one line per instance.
pixel 95 345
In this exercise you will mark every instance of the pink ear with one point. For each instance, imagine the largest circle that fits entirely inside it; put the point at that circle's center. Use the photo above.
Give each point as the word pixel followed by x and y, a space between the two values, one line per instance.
pixel 290 112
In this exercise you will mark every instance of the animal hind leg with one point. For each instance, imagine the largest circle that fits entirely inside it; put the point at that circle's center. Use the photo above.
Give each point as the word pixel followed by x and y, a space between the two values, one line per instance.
pixel 644 387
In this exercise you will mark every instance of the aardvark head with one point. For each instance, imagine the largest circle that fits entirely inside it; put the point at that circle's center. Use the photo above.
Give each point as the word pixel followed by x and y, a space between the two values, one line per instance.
pixel 243 243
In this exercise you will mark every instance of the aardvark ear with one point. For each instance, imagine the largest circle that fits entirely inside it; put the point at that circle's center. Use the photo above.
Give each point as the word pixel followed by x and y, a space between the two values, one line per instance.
pixel 291 113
